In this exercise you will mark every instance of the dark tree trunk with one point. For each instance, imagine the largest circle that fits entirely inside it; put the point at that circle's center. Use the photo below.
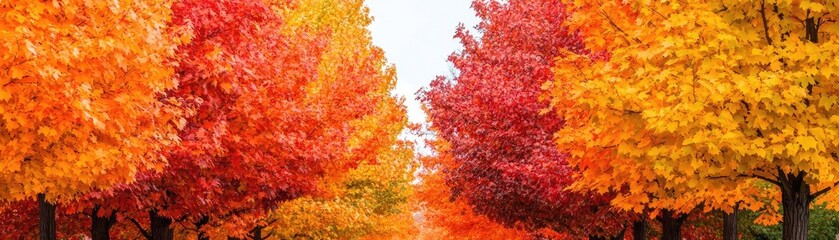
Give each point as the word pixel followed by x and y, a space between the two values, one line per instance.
pixel 256 233
pixel 795 196
pixel 100 228
pixel 161 227
pixel 639 230
pixel 46 215
pixel 671 225
pixel 729 230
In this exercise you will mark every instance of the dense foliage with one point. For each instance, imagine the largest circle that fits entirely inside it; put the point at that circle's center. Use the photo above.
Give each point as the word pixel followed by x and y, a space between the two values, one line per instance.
pixel 562 119
pixel 199 118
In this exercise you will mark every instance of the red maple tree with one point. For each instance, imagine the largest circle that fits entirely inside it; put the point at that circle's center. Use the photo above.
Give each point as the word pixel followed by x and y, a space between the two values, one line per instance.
pixel 508 167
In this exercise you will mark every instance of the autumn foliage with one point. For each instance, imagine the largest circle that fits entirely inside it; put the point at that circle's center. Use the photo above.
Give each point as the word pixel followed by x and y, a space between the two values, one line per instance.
pixel 274 119
pixel 445 217
pixel 83 96
pixel 701 98
pixel 505 164
pixel 196 118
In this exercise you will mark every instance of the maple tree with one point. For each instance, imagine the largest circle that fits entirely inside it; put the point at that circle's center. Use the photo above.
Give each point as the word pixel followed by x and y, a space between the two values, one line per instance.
pixel 82 97
pixel 250 141
pixel 353 80
pixel 507 166
pixel 444 217
pixel 371 200
pixel 232 153
pixel 705 95
pixel 246 149
pixel 256 119
pixel 276 105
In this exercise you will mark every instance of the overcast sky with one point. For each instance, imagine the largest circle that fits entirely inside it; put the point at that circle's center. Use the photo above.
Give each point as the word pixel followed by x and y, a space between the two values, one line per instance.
pixel 417 36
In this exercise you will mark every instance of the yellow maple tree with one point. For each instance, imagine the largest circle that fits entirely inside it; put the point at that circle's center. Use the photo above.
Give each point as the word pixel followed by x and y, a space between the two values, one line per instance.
pixel 691 98
pixel 370 201
pixel 352 72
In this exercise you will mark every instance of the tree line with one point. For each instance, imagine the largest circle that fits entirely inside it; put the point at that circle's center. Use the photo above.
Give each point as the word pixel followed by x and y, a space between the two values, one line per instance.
pixel 591 118
pixel 198 119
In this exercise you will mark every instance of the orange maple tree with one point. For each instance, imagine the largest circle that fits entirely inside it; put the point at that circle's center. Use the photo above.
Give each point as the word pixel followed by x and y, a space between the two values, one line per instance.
pixel 82 97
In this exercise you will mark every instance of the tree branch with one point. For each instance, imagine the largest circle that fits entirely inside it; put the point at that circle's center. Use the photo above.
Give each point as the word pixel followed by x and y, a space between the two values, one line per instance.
pixel 773 181
pixel 783 179
pixel 770 180
pixel 602 13
pixel 823 191
pixel 765 23
pixel 140 228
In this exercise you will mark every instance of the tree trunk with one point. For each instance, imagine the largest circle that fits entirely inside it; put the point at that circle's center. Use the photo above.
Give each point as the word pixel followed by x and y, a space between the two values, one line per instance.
pixel 256 233
pixel 729 230
pixel 100 228
pixel 672 225
pixel 639 230
pixel 795 196
pixel 161 227
pixel 46 215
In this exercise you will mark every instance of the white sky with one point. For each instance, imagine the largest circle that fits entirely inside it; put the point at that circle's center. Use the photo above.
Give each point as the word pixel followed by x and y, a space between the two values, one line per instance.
pixel 417 36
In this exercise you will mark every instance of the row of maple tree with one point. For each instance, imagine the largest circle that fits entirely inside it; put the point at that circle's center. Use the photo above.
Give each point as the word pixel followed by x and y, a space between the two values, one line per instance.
pixel 589 118
pixel 274 119
pixel 199 119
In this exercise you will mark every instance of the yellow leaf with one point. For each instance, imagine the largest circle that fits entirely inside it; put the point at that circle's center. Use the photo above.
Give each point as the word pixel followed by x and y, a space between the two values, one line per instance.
pixel 792 148
pixel 807 142
pixel 47 131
